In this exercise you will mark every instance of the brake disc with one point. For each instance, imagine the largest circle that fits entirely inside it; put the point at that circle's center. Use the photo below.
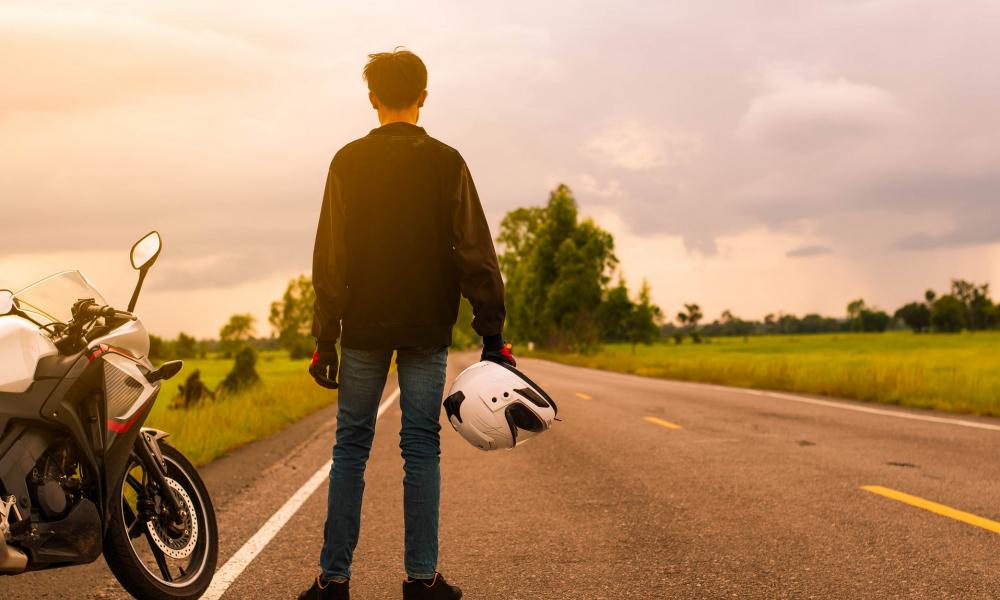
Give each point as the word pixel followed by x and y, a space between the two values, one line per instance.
pixel 176 546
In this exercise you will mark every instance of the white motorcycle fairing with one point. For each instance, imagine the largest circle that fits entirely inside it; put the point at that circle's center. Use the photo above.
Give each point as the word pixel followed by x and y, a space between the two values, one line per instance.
pixel 22 345
pixel 132 336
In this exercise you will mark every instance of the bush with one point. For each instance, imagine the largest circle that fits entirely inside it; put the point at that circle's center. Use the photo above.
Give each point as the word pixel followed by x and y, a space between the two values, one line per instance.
pixel 874 321
pixel 916 316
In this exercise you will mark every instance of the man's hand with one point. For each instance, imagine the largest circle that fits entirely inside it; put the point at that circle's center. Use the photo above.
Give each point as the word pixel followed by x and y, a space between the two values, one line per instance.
pixel 495 349
pixel 324 366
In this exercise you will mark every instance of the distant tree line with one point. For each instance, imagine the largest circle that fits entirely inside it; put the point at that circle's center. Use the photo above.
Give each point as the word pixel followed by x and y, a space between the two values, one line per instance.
pixel 238 332
pixel 184 346
pixel 968 306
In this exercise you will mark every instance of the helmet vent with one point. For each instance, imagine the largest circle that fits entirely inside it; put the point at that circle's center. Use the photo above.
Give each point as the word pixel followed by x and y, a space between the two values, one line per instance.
pixel 453 405
pixel 533 397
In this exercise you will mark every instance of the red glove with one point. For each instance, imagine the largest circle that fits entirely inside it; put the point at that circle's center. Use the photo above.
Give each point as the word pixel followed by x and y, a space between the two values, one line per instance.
pixel 324 367
pixel 500 355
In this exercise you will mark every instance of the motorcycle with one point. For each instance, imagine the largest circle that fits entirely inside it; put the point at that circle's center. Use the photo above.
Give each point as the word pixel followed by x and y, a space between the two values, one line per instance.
pixel 79 474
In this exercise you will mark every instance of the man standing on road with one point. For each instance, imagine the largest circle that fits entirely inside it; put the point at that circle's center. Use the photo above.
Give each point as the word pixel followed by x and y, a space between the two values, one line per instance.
pixel 401 235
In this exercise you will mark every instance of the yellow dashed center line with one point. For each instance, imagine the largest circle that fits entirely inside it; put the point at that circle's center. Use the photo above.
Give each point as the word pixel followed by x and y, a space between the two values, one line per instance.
pixel 662 423
pixel 583 396
pixel 934 507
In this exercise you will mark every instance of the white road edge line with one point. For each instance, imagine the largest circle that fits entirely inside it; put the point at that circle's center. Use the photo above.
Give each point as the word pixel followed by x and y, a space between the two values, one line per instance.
pixel 844 406
pixel 239 561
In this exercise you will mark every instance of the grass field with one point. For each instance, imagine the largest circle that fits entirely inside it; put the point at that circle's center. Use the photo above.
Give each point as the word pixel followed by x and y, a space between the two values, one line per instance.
pixel 956 373
pixel 285 395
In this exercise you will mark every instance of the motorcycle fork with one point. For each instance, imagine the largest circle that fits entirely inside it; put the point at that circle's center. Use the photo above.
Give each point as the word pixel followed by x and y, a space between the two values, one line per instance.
pixel 148 453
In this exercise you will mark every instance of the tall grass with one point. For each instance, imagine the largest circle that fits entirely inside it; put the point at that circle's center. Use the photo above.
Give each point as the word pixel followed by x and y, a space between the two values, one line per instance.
pixel 957 373
pixel 212 428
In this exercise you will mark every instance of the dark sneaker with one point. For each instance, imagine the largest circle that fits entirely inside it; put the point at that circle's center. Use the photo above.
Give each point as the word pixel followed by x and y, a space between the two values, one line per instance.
pixel 435 589
pixel 327 590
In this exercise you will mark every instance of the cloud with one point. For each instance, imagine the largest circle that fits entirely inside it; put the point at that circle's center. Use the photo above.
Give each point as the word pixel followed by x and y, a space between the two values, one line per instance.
pixel 972 232
pixel 936 187
pixel 635 146
pixel 589 185
pixel 79 59
pixel 965 204
pixel 218 271
pixel 805 114
pixel 810 250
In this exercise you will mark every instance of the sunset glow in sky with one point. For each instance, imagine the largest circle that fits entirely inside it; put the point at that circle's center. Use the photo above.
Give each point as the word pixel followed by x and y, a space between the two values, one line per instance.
pixel 760 156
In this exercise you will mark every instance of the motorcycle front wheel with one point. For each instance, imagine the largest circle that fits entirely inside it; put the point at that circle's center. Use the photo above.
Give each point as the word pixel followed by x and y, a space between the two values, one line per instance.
pixel 150 554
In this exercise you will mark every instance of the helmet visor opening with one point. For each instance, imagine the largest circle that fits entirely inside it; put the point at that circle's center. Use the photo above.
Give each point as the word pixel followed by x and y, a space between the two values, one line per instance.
pixel 523 418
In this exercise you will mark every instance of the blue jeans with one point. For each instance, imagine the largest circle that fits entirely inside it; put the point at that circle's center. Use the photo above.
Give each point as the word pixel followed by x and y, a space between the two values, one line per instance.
pixel 362 379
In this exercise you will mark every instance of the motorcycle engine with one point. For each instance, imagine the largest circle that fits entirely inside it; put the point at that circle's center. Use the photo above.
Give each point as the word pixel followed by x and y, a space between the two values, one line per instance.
pixel 55 481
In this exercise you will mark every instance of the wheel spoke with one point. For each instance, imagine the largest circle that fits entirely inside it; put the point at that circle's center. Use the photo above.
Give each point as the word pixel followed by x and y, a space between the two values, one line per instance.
pixel 133 522
pixel 134 525
pixel 161 559
pixel 132 481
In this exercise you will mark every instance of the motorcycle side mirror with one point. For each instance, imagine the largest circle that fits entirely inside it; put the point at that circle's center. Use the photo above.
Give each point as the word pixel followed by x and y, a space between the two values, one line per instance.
pixel 144 254
pixel 6 302
pixel 146 250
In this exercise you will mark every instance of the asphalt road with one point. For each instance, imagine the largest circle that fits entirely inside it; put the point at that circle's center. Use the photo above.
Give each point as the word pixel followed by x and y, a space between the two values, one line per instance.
pixel 647 489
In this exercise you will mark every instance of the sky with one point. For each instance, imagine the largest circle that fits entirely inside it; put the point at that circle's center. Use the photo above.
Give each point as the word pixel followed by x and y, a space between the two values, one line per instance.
pixel 763 157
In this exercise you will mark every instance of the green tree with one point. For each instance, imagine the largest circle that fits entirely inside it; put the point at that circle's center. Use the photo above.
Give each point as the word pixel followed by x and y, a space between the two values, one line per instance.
pixel 236 333
pixel 518 232
pixel 644 319
pixel 979 312
pixel 854 310
pixel 689 319
pixel 855 307
pixel 557 268
pixel 615 313
pixel 948 314
pixel 769 323
pixel 873 321
pixel 916 316
pixel 185 346
pixel 291 317
pixel 866 318
pixel 983 312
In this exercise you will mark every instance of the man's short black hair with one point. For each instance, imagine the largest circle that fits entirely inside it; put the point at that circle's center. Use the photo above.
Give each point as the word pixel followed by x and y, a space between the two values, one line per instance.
pixel 396 78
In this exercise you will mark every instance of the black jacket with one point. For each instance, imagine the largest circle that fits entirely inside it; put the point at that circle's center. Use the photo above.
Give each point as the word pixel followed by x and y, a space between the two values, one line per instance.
pixel 400 235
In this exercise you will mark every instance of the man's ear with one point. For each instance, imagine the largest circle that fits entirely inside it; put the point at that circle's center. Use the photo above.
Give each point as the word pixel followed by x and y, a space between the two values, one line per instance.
pixel 373 99
pixel 421 99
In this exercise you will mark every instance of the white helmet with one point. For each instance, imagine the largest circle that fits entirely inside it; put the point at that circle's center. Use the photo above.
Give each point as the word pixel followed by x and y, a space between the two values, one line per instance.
pixel 495 406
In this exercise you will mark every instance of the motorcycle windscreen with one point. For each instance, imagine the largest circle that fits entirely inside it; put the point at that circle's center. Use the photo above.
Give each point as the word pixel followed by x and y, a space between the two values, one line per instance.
pixel 51 299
